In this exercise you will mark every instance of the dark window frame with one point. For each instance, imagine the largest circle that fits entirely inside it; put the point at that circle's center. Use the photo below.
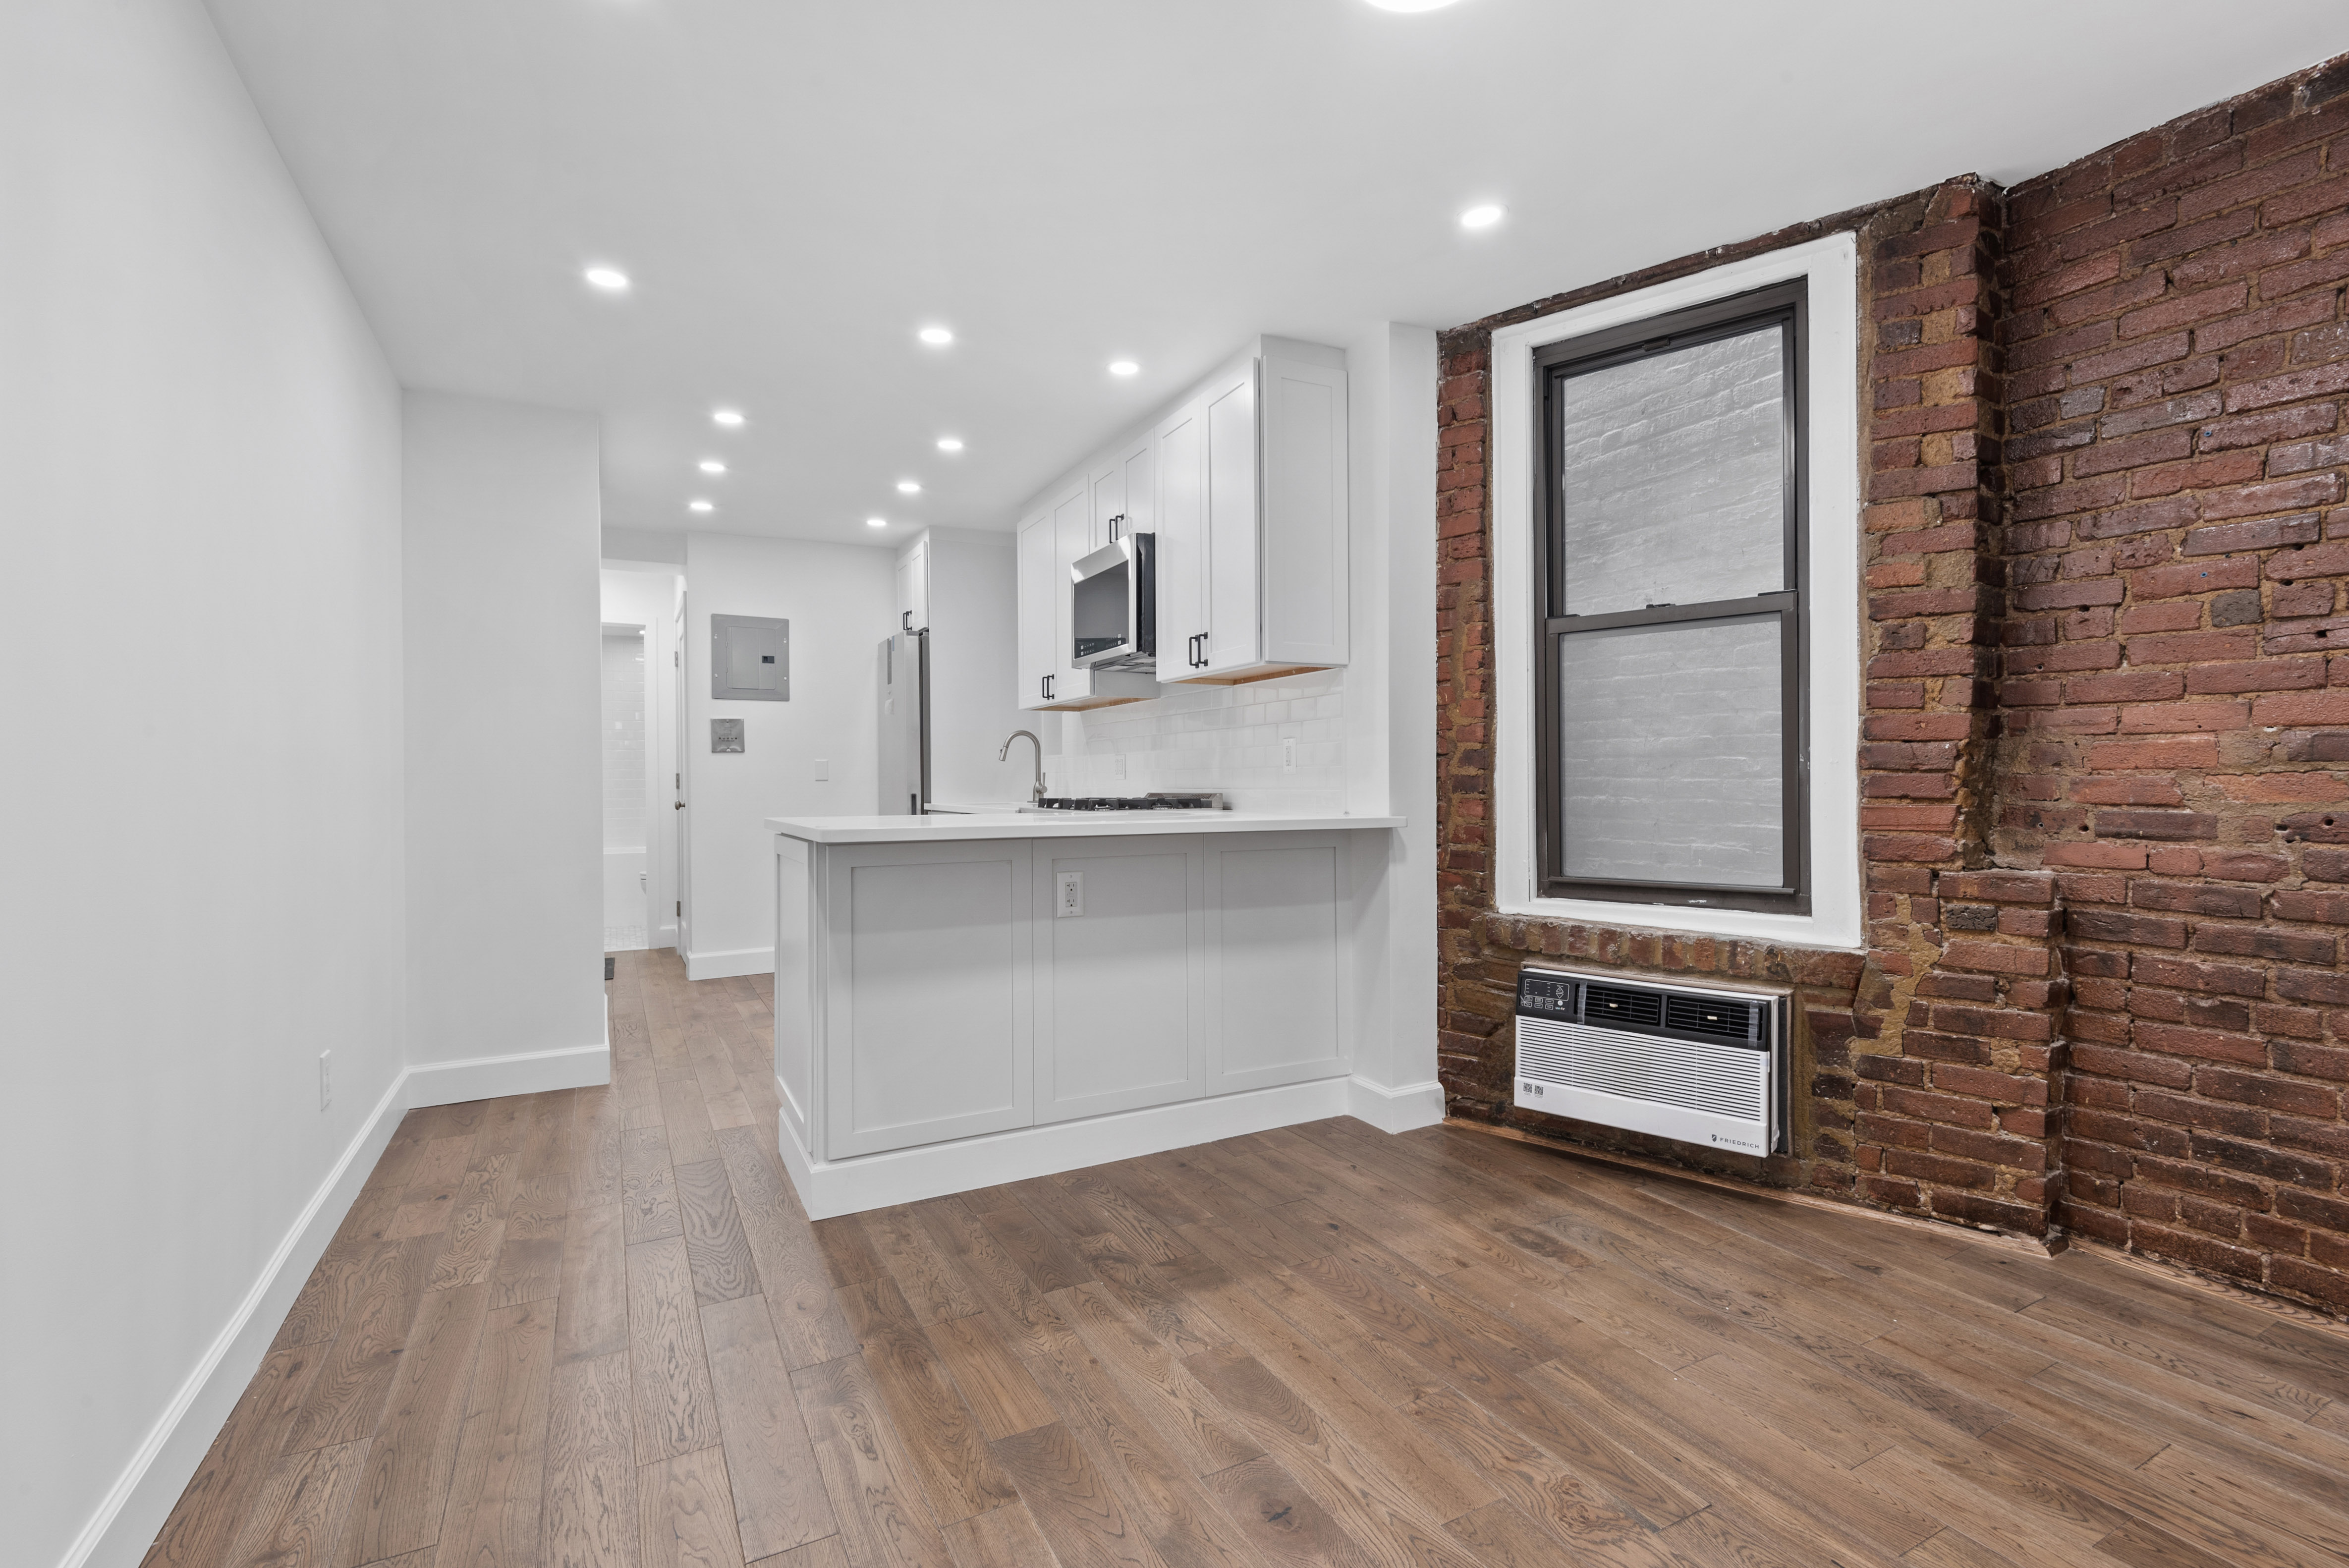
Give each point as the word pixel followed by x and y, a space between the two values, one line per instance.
pixel 1789 304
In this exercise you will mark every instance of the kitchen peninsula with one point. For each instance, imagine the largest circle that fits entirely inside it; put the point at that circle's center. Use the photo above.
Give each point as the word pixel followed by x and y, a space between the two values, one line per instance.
pixel 963 1000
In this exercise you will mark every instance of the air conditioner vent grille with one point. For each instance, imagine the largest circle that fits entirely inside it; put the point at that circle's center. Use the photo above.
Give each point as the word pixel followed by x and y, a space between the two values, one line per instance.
pixel 1693 1076
pixel 1712 1016
pixel 1621 1004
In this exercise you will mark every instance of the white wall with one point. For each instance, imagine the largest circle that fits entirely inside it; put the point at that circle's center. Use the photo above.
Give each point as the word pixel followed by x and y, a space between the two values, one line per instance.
pixel 200 696
pixel 635 593
pixel 502 541
pixel 975 670
pixel 839 600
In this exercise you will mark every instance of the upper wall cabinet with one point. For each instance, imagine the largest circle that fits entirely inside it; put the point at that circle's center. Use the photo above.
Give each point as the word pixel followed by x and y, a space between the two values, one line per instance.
pixel 914 587
pixel 1242 484
pixel 1251 523
pixel 1050 541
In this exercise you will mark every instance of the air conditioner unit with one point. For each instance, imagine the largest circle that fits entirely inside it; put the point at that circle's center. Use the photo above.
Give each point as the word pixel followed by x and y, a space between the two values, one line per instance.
pixel 1701 1066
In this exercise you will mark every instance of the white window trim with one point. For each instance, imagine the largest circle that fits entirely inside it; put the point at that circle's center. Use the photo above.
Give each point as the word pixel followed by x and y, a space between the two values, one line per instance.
pixel 1830 265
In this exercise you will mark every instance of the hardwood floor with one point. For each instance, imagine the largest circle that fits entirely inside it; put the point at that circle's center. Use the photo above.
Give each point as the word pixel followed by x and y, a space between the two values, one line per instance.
pixel 594 1328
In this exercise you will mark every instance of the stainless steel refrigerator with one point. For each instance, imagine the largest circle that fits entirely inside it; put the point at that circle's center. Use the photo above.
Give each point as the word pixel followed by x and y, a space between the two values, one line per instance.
pixel 905 670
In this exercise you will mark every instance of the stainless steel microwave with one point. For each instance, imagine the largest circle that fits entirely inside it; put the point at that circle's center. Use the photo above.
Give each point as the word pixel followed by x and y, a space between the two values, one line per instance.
pixel 1114 602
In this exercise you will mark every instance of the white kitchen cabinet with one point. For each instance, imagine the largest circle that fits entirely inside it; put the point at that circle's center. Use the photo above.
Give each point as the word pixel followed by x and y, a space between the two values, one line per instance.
pixel 1120 997
pixel 1277 976
pixel 928 998
pixel 1038 623
pixel 914 587
pixel 1252 521
pixel 940 1025
pixel 1125 495
pixel 1050 541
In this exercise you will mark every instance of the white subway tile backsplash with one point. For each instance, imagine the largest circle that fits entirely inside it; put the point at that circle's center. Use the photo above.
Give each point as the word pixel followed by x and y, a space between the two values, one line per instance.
pixel 1226 739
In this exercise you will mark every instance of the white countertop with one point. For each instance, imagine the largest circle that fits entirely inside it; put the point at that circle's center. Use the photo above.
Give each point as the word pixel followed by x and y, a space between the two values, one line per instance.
pixel 1074 825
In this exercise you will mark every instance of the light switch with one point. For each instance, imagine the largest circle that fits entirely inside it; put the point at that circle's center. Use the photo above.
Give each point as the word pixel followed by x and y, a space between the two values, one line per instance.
pixel 822 769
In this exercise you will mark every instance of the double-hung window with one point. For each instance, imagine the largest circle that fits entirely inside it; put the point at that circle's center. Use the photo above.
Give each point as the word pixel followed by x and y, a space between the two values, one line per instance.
pixel 1670 689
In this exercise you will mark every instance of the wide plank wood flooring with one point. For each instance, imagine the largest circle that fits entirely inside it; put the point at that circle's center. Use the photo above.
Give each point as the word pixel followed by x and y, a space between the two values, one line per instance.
pixel 594 1329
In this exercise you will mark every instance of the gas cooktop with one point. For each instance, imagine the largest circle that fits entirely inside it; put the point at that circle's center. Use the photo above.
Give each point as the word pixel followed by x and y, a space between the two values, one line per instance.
pixel 1154 802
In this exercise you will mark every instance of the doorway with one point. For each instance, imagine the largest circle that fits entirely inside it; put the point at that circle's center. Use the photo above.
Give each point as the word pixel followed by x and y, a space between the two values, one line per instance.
pixel 628 794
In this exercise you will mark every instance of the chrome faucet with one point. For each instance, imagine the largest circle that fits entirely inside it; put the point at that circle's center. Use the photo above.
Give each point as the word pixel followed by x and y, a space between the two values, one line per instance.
pixel 1004 755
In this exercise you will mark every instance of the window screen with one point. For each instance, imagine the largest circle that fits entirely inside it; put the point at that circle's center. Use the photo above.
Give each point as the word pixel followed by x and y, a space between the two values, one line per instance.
pixel 1670 602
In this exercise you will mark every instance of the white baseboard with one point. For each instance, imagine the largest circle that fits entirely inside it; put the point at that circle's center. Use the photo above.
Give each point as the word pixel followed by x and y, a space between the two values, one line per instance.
pixel 136 1506
pixel 732 960
pixel 489 1077
pixel 832 1186
pixel 1392 1108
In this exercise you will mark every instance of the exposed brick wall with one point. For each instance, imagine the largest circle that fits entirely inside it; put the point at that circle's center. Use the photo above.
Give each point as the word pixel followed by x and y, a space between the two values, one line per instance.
pixel 2175 353
pixel 2104 531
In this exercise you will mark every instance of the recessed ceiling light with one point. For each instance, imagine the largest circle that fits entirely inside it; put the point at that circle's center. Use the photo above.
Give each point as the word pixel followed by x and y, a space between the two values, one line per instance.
pixel 876 523
pixel 950 443
pixel 1124 368
pixel 612 280
pixel 1481 217
pixel 1411 5
pixel 909 487
pixel 936 336
pixel 699 505
pixel 730 417
pixel 711 466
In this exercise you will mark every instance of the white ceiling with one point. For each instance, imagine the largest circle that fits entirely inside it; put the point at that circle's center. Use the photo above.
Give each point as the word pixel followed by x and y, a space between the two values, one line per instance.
pixel 795 188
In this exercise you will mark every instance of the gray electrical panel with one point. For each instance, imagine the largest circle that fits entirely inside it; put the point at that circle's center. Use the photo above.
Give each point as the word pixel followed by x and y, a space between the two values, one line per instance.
pixel 750 659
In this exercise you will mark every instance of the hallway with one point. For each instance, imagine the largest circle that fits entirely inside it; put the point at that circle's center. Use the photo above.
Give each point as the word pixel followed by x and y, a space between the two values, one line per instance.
pixel 592 1328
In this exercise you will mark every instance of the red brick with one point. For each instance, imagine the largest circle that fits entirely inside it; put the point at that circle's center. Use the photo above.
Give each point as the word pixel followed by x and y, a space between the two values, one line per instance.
pixel 2194 577
pixel 2193 648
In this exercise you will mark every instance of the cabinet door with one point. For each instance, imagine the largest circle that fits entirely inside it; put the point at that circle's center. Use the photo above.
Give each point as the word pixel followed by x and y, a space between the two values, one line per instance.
pixel 1108 510
pixel 1303 525
pixel 1180 519
pixel 1279 965
pixel 1119 995
pixel 929 1024
pixel 1039 617
pixel 1140 465
pixel 1072 525
pixel 914 588
pixel 1234 623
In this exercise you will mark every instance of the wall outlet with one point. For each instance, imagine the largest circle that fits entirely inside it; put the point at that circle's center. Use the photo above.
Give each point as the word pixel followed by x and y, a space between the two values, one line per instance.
pixel 1117 766
pixel 326 1079
pixel 1288 754
pixel 1070 886
pixel 824 769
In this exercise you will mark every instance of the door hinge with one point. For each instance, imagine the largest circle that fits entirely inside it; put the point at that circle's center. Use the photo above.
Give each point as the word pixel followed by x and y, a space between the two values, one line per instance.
pixel 680 907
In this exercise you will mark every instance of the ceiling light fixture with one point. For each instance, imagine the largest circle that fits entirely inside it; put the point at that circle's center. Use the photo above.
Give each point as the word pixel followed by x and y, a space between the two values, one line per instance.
pixel 730 417
pixel 1481 217
pixel 936 336
pixel 711 466
pixel 611 280
pixel 699 505
pixel 909 487
pixel 950 443
pixel 876 523
pixel 1124 368
pixel 1411 5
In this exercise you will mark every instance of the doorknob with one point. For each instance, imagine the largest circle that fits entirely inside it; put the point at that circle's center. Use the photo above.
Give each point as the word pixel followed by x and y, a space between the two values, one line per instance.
pixel 680 806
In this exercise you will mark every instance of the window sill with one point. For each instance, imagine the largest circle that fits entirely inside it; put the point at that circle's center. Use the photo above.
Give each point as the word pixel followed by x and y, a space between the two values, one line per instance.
pixel 1816 930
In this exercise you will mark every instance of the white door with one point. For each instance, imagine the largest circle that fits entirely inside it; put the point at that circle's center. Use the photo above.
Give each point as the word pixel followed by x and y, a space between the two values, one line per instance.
pixel 1233 621
pixel 682 844
pixel 1039 619
pixel 1181 520
pixel 913 589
